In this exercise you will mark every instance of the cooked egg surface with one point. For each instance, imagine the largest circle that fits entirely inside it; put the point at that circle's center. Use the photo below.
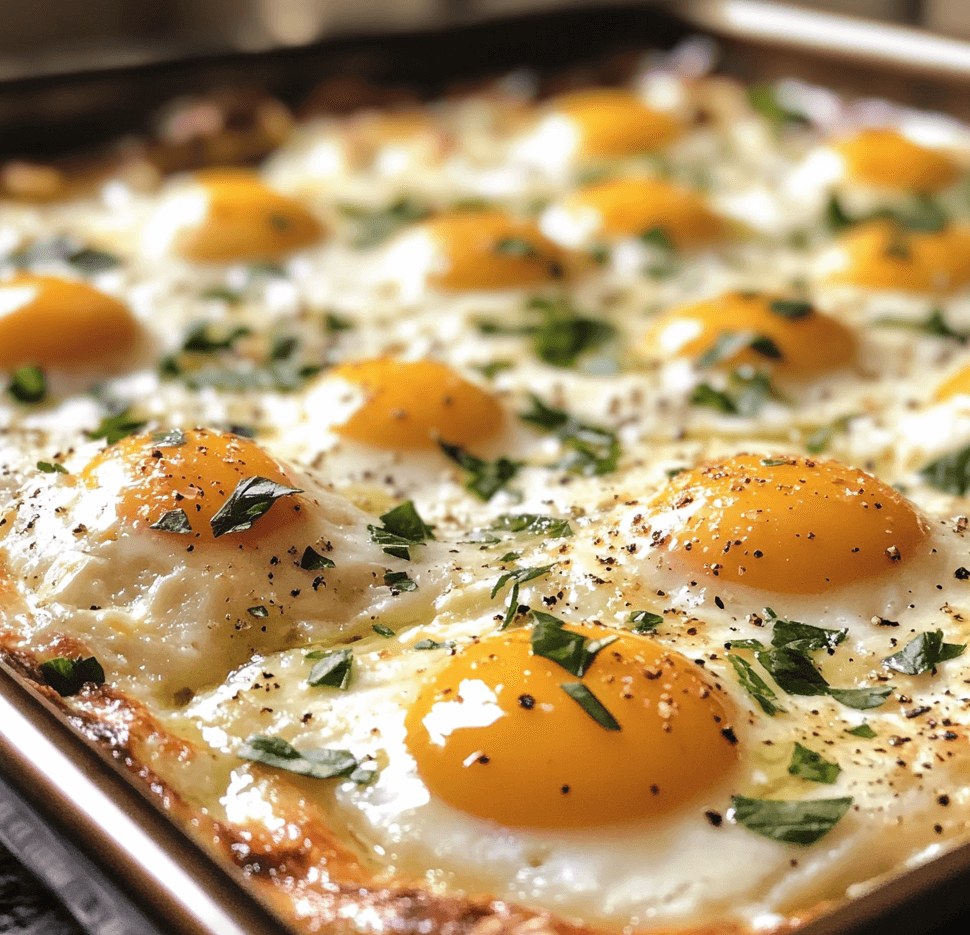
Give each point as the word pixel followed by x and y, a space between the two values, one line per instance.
pixel 593 473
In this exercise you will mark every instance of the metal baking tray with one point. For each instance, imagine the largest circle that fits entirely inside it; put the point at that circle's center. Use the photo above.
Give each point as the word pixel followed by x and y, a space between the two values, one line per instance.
pixel 74 816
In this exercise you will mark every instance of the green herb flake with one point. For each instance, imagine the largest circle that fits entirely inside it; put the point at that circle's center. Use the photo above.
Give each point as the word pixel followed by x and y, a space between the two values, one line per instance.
pixel 317 764
pixel 764 99
pixel 173 521
pixel 591 450
pixel 791 822
pixel 819 440
pixel 590 704
pixel 332 670
pixel 68 676
pixel 705 395
pixel 51 467
pixel 113 428
pixel 518 248
pixel 807 764
pixel 312 560
pixel 645 621
pixel 934 325
pixel 429 644
pixel 169 438
pixel 28 385
pixel 550 527
pixel 862 699
pixel 803 636
pixel 657 238
pixel 332 323
pixel 731 343
pixel 485 478
pixel 399 581
pixel 402 528
pixel 754 684
pixel 518 577
pixel 836 217
pixel 792 309
pixel 923 654
pixel 258 611
pixel 373 227
pixel 252 498
pixel 382 629
pixel 950 473
pixel 573 651
pixel 564 334
pixel 793 671
pixel 206 338
pixel 863 730
pixel 222 294
pixel 493 368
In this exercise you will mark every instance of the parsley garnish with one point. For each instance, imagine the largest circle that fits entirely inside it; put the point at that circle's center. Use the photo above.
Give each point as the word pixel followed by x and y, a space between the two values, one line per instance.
pixel 923 654
pixel 173 521
pixel 65 250
pixel 517 576
pixel 428 644
pixel 49 467
pixel 644 621
pixel 764 99
pixel 836 217
pixel 748 395
pixel 399 581
pixel 934 324
pixel 206 338
pixel 312 560
pixel 494 367
pixel 68 676
pixel 590 704
pixel 485 478
pixel 114 428
pixel 169 438
pixel 863 730
pixel 731 343
pixel 573 651
pixel 223 294
pixel 657 237
pixel 591 449
pixel 950 473
pixel 549 526
pixel 383 630
pixel 819 440
pixel 28 385
pixel 252 498
pixel 807 764
pixel 564 334
pixel 258 611
pixel 793 309
pixel 317 764
pixel 374 227
pixel 333 669
pixel 517 247
pixel 798 822
pixel 402 528
pixel 333 323
pixel 754 684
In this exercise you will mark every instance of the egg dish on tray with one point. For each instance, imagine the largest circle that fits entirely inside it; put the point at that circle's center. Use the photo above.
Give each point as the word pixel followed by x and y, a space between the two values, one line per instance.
pixel 514 513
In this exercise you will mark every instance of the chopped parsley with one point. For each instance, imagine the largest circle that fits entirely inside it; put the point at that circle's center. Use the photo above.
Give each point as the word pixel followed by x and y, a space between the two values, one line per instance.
pixel 84 259
pixel 518 576
pixel 115 427
pixel 819 440
pixel 402 528
pixel 766 100
pixel 222 294
pixel 68 676
pixel 731 343
pixel 923 654
pixel 485 478
pixel 591 449
pixel 173 521
pixel 258 611
pixel 373 227
pixel 792 309
pixel 791 822
pixel 754 684
pixel 807 764
pixel 399 581
pixel 332 323
pixel 564 334
pixel 312 560
pixel 658 238
pixel 169 438
pixel 251 499
pixel 493 368
pixel 206 338
pixel 28 385
pixel 863 730
pixel 332 669
pixel 317 764
pixel 949 473
pixel 934 324
pixel 51 467
pixel 573 651
pixel 428 644
pixel 590 704
pixel 382 629
pixel 644 621
pixel 747 394
pixel 551 527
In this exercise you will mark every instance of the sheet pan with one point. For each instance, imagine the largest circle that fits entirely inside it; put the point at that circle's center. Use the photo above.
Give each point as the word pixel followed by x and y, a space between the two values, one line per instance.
pixel 96 830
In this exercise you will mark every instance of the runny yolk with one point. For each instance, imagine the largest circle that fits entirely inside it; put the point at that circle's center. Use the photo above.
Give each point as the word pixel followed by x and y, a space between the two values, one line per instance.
pixel 886 159
pixel 809 342
pixel 494 734
pixel 413 405
pixel 957 385
pixel 786 525
pixel 632 206
pixel 490 250
pixel 153 478
pixel 245 221
pixel 613 122
pixel 50 321
pixel 882 256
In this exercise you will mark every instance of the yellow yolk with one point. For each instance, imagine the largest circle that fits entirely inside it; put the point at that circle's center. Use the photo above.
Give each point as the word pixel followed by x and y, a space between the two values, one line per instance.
pixel 154 478
pixel 49 321
pixel 957 385
pixel 885 159
pixel 411 405
pixel 810 342
pixel 245 221
pixel 791 525
pixel 613 122
pixel 881 256
pixel 490 250
pixel 634 206
pixel 494 733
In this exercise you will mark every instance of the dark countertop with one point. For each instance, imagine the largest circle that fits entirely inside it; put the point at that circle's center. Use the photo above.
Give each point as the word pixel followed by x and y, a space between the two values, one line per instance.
pixel 26 906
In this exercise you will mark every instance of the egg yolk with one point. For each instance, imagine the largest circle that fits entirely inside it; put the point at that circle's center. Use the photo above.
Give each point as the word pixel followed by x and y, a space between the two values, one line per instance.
pixel 808 341
pixel 613 122
pixel 787 525
pixel 245 221
pixel 153 477
pixel 494 733
pixel 957 385
pixel 631 206
pixel 882 256
pixel 49 321
pixel 412 405
pixel 490 250
pixel 885 159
